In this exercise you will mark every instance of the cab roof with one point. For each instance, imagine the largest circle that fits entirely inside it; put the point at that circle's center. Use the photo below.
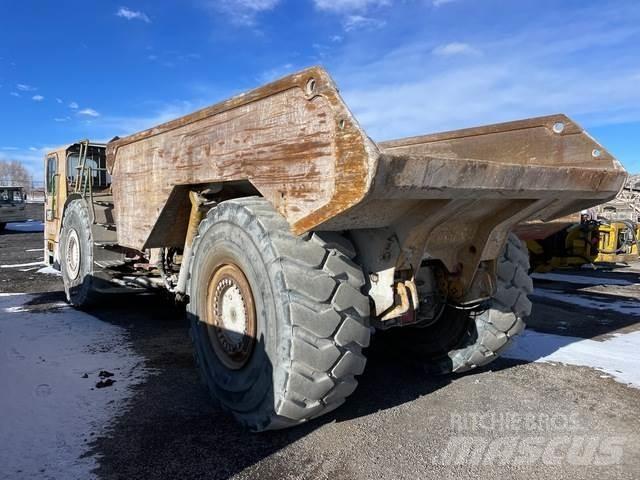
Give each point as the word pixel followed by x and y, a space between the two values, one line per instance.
pixel 69 145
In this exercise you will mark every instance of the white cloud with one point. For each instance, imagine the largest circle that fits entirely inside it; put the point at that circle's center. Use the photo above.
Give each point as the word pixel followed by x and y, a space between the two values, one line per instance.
pixel 257 5
pixel 124 12
pixel 275 73
pixel 37 98
pixel 25 88
pixel 485 93
pixel 438 3
pixel 354 12
pixel 14 94
pixel 73 105
pixel 88 112
pixel 173 58
pixel 61 119
pixel 343 6
pixel 109 125
pixel 242 12
pixel 359 22
pixel 407 91
pixel 59 100
pixel 454 48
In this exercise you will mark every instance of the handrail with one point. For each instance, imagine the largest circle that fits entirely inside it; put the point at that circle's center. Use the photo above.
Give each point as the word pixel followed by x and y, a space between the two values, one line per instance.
pixel 82 160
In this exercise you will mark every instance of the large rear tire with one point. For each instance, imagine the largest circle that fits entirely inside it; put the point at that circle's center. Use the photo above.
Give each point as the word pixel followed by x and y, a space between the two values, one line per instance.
pixel 76 256
pixel 462 340
pixel 278 322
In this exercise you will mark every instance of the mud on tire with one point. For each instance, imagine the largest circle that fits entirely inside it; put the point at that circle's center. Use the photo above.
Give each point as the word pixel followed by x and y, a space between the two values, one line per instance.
pixel 462 340
pixel 311 319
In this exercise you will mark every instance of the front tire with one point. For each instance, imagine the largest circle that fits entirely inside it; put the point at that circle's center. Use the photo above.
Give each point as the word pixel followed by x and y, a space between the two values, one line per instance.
pixel 278 322
pixel 76 256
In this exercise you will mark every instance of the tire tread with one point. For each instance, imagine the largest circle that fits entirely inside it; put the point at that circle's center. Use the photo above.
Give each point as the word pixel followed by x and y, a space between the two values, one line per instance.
pixel 498 326
pixel 328 312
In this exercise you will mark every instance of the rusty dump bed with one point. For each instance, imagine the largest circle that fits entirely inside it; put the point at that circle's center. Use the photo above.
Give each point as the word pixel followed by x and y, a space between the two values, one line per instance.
pixel 455 193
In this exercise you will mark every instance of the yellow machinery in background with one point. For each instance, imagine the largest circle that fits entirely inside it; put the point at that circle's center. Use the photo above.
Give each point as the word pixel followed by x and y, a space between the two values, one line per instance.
pixel 588 242
pixel 618 242
pixel 608 233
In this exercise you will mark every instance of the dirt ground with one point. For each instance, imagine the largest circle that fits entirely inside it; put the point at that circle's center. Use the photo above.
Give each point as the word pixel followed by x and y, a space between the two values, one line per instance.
pixel 400 422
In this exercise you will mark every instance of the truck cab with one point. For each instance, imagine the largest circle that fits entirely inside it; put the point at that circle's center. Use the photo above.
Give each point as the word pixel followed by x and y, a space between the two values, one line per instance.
pixel 78 169
pixel 12 205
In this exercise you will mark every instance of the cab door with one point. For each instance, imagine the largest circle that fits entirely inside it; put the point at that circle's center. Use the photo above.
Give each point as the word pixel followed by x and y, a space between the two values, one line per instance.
pixel 55 195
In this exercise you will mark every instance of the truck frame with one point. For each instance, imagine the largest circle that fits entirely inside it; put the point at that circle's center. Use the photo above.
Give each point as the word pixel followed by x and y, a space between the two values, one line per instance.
pixel 289 235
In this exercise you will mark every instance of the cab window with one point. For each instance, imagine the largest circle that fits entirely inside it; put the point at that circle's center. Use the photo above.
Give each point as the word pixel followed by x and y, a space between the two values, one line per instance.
pixel 18 196
pixel 11 195
pixel 52 170
pixel 95 163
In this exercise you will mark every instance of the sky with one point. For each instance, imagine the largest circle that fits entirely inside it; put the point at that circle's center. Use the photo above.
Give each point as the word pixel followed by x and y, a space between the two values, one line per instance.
pixel 78 69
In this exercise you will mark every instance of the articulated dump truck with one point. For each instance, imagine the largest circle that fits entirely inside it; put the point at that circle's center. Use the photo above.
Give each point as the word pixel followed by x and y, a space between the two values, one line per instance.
pixel 290 237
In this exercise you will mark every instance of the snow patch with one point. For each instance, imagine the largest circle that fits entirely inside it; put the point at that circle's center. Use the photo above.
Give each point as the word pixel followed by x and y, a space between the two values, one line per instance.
pixel 49 270
pixel 18 265
pixel 36 308
pixel 628 307
pixel 617 357
pixel 48 410
pixel 27 227
pixel 581 279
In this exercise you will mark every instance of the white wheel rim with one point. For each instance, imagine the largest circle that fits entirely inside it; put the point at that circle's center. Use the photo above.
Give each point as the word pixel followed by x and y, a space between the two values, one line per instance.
pixel 230 316
pixel 232 312
pixel 72 257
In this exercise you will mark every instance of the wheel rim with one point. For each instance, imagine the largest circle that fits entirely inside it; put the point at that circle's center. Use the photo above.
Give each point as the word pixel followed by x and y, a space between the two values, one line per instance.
pixel 72 257
pixel 230 316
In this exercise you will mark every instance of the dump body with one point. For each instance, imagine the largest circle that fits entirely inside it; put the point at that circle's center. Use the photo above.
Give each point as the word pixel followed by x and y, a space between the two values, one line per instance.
pixel 451 196
pixel 12 205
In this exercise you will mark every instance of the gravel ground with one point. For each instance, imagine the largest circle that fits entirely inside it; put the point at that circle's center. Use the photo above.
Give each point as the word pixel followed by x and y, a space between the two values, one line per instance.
pixel 400 423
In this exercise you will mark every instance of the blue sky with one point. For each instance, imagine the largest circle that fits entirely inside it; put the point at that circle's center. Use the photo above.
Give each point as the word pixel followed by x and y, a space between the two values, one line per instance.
pixel 95 69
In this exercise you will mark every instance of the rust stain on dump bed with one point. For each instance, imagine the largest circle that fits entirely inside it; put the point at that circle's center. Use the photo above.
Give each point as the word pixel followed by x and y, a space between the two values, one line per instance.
pixel 293 139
